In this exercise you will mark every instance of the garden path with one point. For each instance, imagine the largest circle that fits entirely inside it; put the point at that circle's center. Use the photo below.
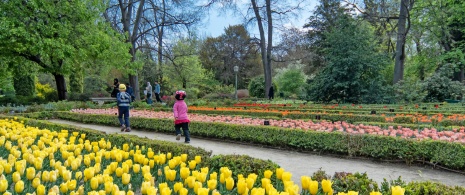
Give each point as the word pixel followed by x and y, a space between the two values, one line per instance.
pixel 300 164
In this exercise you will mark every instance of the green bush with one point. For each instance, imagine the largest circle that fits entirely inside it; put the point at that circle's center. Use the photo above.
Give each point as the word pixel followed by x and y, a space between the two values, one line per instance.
pixel 354 182
pixel 432 188
pixel 257 87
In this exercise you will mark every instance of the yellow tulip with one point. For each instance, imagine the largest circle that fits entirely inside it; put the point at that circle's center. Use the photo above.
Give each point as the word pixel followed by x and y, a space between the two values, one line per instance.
pixel 78 175
pixel 222 178
pixel 305 182
pixel 136 168
pixel 52 176
pixel 313 185
pixel 279 173
pixel 147 177
pixel 35 182
pixel 198 159
pixel 375 193
pixel 241 186
pixel 212 184
pixel 19 186
pixel 397 190
pixel 63 188
pixel 352 193
pixel 202 191
pixel 265 182
pixel 40 190
pixel 286 176
pixel 7 168
pixel 88 173
pixel 258 191
pixel 326 185
pixel 126 178
pixel 126 147
pixel 166 191
pixel 214 175
pixel 229 183
pixel 250 182
pixel 202 177
pixel 197 185
pixel 45 176
pixel 94 183
pixel 66 175
pixel 38 164
pixel 153 190
pixel 108 187
pixel 192 164
pixel 177 187
pixel 151 163
pixel 16 177
pixel 215 192
pixel 184 172
pixel 190 181
pixel 268 174
pixel 72 184
pixel 183 191
pixel 130 192
pixel 119 172
pixel 169 155
pixel 3 185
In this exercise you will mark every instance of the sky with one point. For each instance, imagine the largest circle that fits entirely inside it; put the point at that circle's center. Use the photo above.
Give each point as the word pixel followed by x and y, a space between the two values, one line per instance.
pixel 216 23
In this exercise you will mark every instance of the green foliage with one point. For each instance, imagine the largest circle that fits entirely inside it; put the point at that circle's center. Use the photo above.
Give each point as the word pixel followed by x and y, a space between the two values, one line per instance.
pixel 354 182
pixel 409 90
pixel 353 70
pixel 257 87
pixel 440 87
pixel 24 84
pixel 45 92
pixel 76 81
pixel 291 80
pixel 432 188
pixel 242 164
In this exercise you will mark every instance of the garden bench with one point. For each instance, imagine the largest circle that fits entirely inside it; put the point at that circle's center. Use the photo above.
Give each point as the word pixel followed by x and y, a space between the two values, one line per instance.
pixel 102 100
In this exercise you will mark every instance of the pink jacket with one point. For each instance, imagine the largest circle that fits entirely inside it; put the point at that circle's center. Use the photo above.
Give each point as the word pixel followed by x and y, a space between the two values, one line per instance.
pixel 180 112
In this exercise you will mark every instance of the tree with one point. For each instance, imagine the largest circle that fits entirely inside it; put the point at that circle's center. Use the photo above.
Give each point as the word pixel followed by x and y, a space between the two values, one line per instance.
pixel 402 30
pixel 57 34
pixel 265 13
pixel 291 80
pixel 353 70
pixel 232 48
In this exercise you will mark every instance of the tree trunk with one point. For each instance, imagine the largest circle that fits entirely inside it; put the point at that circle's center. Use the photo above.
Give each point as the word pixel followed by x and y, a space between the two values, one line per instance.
pixel 61 86
pixel 160 33
pixel 400 45
pixel 263 49
pixel 134 79
pixel 268 80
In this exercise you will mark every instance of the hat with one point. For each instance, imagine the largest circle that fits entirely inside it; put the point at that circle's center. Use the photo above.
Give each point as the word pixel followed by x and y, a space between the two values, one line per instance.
pixel 180 95
pixel 122 87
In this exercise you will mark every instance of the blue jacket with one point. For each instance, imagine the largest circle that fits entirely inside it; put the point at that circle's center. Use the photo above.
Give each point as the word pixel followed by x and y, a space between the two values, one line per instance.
pixel 157 88
pixel 123 99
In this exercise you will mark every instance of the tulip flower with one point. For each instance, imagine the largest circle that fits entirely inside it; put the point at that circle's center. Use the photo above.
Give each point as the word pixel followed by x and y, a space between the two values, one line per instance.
pixel 286 176
pixel 184 172
pixel 305 182
pixel 45 176
pixel 130 192
pixel 268 174
pixel 326 185
pixel 126 178
pixel 229 183
pixel 108 187
pixel 35 182
pixel 201 177
pixel 214 175
pixel 241 186
pixel 352 193
pixel 202 191
pixel 40 190
pixel 265 182
pixel 212 183
pixel 222 178
pixel 192 164
pixel 215 192
pixel 183 157
pixel 78 175
pixel 19 186
pixel 190 181
pixel 279 173
pixel 3 185
pixel 63 188
pixel 16 177
pixel 94 183
pixel 250 182
pixel 198 159
pixel 313 185
pixel 177 187
pixel 119 172
pixel 136 168
pixel 72 184
pixel 165 191
pixel 397 190
pixel 375 193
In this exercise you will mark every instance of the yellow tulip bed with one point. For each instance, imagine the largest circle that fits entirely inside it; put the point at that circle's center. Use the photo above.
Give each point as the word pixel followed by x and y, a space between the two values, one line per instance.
pixel 40 161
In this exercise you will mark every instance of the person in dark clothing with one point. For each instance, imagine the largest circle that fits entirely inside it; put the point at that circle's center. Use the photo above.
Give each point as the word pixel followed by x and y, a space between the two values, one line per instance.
pixel 271 93
pixel 115 88
pixel 157 91
pixel 130 92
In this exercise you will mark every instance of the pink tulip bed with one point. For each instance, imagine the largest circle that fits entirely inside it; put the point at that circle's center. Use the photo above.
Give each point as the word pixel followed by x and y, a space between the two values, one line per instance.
pixel 455 135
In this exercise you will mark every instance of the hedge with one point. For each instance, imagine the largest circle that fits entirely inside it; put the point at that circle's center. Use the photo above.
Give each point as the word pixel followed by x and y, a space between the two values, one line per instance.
pixel 438 153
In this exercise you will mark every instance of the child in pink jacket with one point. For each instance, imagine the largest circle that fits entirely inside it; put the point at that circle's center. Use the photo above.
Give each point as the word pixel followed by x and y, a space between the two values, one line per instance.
pixel 180 116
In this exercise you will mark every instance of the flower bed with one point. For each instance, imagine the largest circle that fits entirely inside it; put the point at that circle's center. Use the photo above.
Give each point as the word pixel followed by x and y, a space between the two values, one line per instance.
pixel 41 161
pixel 457 135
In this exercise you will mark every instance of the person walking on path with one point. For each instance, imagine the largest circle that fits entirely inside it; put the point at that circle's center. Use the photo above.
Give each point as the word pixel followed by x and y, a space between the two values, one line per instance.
pixel 271 93
pixel 157 91
pixel 149 93
pixel 180 116
pixel 123 101
pixel 130 91
pixel 115 87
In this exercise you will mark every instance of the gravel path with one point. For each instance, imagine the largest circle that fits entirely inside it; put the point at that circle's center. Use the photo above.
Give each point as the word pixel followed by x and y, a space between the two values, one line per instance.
pixel 300 164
